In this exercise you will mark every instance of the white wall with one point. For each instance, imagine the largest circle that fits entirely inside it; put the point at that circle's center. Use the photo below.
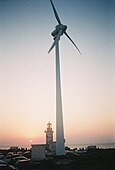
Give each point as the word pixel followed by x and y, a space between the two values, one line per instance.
pixel 38 151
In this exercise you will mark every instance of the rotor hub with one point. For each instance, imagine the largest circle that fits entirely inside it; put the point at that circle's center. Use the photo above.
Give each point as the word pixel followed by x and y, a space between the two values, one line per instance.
pixel 62 27
pixel 58 28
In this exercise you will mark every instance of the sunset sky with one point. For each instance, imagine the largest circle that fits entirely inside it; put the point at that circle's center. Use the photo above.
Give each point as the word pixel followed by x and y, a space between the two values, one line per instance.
pixel 27 71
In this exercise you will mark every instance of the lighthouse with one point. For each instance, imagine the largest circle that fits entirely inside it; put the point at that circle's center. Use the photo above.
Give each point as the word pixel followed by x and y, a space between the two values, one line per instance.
pixel 49 136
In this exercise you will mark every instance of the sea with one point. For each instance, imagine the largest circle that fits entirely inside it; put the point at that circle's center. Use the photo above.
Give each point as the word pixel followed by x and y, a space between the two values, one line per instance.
pixel 98 145
pixel 72 146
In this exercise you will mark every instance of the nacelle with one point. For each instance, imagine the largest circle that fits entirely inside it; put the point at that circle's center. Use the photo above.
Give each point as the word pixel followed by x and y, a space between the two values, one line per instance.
pixel 62 27
pixel 58 28
pixel 54 33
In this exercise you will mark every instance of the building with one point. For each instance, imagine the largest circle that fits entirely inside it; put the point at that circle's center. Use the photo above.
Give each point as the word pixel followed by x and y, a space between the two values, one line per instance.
pixel 14 148
pixel 49 137
pixel 38 151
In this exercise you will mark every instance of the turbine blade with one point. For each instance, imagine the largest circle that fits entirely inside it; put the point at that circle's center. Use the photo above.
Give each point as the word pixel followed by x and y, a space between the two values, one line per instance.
pixel 55 12
pixel 56 40
pixel 72 41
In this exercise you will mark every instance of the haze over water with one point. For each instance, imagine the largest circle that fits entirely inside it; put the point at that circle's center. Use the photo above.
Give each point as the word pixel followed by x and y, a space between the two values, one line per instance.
pixel 72 146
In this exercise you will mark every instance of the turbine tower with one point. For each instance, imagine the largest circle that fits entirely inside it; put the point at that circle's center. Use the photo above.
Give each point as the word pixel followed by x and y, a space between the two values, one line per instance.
pixel 60 29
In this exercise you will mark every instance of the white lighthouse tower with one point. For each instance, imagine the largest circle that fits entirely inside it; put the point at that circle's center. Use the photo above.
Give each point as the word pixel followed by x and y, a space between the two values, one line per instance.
pixel 49 136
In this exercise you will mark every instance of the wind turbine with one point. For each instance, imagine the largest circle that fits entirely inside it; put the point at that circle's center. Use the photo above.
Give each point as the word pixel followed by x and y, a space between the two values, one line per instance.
pixel 60 29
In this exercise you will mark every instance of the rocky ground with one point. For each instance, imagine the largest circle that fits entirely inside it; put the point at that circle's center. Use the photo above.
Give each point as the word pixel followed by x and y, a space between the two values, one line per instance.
pixel 101 159
pixel 98 159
